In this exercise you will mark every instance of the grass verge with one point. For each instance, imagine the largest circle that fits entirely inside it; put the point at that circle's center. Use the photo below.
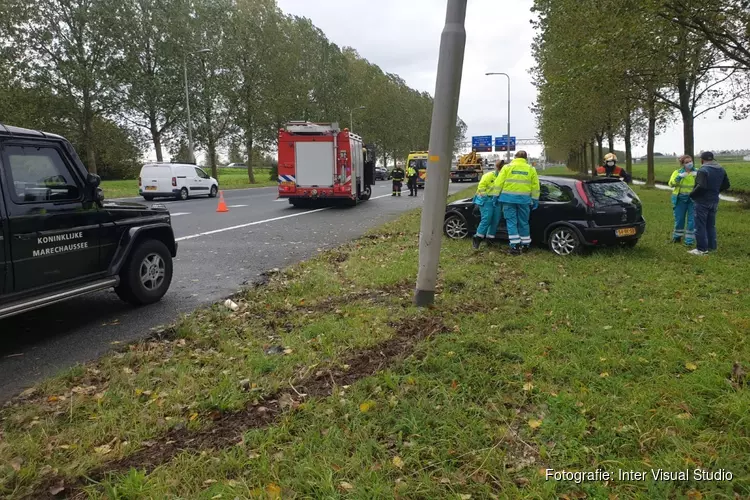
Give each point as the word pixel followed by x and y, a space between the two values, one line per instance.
pixel 229 178
pixel 326 382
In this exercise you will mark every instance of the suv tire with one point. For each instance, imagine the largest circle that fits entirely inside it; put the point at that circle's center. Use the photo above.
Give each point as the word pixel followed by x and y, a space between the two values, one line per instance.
pixel 147 274
pixel 183 194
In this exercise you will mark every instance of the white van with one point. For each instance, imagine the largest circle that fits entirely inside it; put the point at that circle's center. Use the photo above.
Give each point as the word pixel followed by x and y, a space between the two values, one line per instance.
pixel 175 180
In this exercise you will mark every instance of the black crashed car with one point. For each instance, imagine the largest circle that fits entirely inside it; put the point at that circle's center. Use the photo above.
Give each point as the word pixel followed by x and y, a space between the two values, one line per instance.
pixel 381 174
pixel 572 215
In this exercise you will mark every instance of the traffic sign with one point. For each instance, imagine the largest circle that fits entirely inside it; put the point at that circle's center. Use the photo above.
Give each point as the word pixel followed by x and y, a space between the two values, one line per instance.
pixel 482 143
pixel 501 143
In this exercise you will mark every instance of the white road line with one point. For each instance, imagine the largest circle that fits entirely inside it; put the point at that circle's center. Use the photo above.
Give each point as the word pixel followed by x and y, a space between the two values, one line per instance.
pixel 236 206
pixel 180 213
pixel 232 228
pixel 281 199
pixel 381 196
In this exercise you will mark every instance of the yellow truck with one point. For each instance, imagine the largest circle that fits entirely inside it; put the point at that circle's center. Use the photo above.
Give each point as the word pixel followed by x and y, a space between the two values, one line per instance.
pixel 469 168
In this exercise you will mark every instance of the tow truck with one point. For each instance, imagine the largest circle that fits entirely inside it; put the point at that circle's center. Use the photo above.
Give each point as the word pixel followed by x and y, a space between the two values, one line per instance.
pixel 469 168
pixel 318 162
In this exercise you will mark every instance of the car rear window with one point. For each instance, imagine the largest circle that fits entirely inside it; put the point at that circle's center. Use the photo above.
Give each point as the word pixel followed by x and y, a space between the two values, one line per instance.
pixel 606 194
pixel 156 172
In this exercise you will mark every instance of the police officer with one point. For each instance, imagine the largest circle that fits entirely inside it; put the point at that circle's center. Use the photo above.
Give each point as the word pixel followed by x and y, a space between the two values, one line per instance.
pixel 411 178
pixel 517 188
pixel 610 169
pixel 398 179
pixel 485 200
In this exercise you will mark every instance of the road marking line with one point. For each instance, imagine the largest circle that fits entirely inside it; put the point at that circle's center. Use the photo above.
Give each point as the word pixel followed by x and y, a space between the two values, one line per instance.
pixel 381 196
pixel 232 228
pixel 281 199
pixel 180 213
pixel 236 206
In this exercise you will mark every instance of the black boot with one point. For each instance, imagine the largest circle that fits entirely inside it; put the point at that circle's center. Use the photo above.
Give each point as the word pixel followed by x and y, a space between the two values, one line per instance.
pixel 514 250
pixel 525 248
pixel 476 241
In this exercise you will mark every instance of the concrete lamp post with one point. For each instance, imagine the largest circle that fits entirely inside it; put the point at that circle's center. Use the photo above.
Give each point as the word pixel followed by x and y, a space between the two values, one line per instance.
pixel 508 77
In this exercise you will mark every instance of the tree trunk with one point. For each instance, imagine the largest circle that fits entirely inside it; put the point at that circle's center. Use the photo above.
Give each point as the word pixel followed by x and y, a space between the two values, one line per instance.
pixel 628 143
pixel 600 141
pixel 610 139
pixel 212 155
pixel 584 158
pixel 650 178
pixel 593 160
pixel 688 119
pixel 155 136
pixel 249 146
pixel 88 133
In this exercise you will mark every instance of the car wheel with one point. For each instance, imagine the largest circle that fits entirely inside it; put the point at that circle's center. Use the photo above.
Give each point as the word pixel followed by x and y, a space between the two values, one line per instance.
pixel 564 241
pixel 147 274
pixel 366 195
pixel 214 191
pixel 183 194
pixel 455 227
pixel 148 198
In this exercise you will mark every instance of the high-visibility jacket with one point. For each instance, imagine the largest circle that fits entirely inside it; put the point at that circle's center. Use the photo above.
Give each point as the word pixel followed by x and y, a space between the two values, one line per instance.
pixel 518 182
pixel 615 171
pixel 682 185
pixel 397 174
pixel 411 172
pixel 487 184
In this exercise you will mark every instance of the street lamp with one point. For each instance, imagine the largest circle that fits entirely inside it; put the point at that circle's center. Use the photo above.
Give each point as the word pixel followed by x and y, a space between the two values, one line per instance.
pixel 191 151
pixel 508 77
pixel 351 118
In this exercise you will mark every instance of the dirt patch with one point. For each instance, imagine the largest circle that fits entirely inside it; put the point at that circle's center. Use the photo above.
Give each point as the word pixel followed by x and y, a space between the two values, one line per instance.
pixel 227 430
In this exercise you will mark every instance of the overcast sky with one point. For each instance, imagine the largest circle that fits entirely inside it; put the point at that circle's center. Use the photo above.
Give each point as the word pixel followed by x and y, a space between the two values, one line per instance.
pixel 403 37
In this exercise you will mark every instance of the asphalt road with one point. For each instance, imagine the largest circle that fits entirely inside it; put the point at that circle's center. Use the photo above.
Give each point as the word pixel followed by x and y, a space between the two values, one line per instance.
pixel 257 234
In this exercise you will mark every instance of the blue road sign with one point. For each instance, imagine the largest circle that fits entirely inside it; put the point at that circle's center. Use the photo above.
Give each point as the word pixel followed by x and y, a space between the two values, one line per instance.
pixel 501 143
pixel 481 143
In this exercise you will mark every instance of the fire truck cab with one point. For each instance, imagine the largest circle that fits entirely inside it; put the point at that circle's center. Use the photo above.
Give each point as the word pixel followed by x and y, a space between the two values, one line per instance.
pixel 320 162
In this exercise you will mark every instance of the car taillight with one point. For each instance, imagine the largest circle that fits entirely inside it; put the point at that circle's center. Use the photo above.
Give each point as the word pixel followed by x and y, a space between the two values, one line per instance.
pixel 582 193
pixel 174 181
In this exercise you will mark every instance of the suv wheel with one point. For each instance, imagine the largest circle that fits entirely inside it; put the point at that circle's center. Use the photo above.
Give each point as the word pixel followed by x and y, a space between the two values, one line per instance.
pixel 183 194
pixel 455 227
pixel 147 274
pixel 564 241
pixel 214 191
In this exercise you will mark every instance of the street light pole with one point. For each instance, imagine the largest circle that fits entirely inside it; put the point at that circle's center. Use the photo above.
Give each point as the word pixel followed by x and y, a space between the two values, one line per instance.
pixel 351 118
pixel 508 77
pixel 442 134
pixel 191 149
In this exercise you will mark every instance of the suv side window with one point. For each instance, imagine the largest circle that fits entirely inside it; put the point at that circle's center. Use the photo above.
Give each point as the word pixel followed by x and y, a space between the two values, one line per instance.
pixel 39 175
pixel 553 192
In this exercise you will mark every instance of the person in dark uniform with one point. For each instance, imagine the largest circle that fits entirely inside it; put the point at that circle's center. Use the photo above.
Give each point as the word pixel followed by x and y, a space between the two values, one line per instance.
pixel 411 178
pixel 610 169
pixel 397 175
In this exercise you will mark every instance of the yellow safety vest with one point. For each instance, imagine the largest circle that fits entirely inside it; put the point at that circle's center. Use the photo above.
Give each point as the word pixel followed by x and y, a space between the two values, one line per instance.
pixel 518 180
pixel 684 185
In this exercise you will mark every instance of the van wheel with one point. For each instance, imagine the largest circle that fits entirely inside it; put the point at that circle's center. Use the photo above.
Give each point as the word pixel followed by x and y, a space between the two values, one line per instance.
pixel 214 191
pixel 564 241
pixel 183 194
pixel 146 275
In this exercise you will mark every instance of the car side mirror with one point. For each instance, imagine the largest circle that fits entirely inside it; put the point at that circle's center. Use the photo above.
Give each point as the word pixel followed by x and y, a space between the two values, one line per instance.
pixel 93 180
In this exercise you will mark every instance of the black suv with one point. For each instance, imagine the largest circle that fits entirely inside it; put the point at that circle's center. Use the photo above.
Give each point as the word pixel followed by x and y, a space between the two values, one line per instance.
pixel 59 239
pixel 572 214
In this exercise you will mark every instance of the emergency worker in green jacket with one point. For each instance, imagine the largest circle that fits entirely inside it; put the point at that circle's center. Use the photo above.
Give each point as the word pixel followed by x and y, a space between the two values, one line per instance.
pixel 682 183
pixel 485 200
pixel 411 178
pixel 517 189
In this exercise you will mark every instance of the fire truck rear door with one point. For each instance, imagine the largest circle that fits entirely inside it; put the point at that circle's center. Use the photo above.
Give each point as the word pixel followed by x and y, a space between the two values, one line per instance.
pixel 315 163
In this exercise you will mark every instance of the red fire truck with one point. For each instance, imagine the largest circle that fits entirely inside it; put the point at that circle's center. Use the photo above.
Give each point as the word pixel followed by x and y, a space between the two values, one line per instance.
pixel 319 162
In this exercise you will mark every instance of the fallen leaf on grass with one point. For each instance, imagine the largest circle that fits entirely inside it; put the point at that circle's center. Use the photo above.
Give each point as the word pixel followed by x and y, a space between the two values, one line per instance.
pixel 604 374
pixel 691 366
pixel 607 327
pixel 273 490
pixel 103 449
pixel 454 385
pixel 193 417
pixel 534 423
pixel 16 463
pixel 464 496
pixel 398 462
pixel 367 406
pixel 343 485
pixel 57 488
pixel 684 416
pixel 528 386
pixel 694 495
pixel 209 481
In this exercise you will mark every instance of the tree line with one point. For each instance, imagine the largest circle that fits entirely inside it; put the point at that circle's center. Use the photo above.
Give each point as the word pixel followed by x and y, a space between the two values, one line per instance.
pixel 110 75
pixel 624 69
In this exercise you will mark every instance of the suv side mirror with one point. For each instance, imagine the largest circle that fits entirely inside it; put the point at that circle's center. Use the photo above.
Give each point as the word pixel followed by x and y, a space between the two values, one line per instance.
pixel 93 180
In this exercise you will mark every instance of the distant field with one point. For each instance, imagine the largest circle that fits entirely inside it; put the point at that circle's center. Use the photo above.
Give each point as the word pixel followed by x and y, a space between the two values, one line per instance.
pixel 229 178
pixel 738 171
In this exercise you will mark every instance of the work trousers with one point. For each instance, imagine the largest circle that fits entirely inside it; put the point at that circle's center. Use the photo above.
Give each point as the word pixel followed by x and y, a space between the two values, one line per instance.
pixel 684 210
pixel 397 188
pixel 517 221
pixel 705 226
pixel 412 183
pixel 490 219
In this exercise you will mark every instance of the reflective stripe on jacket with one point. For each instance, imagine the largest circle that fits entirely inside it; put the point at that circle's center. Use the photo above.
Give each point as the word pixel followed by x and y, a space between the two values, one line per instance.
pixel 518 182
pixel 411 172
pixel 684 185
pixel 397 174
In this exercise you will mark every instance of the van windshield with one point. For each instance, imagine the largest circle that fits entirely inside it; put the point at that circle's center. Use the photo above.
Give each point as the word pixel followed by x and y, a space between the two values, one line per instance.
pixel 418 164
pixel 607 194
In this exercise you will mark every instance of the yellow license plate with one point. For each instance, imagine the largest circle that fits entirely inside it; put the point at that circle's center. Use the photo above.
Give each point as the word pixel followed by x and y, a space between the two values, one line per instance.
pixel 628 231
pixel 150 188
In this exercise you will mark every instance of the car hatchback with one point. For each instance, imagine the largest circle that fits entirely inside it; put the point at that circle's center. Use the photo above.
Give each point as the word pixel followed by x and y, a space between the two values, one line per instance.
pixel 572 215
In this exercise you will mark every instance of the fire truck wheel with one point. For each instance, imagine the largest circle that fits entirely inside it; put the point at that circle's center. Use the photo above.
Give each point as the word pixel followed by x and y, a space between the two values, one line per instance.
pixel 366 195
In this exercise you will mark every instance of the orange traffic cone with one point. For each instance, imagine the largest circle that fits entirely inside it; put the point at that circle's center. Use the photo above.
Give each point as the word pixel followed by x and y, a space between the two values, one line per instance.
pixel 222 204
